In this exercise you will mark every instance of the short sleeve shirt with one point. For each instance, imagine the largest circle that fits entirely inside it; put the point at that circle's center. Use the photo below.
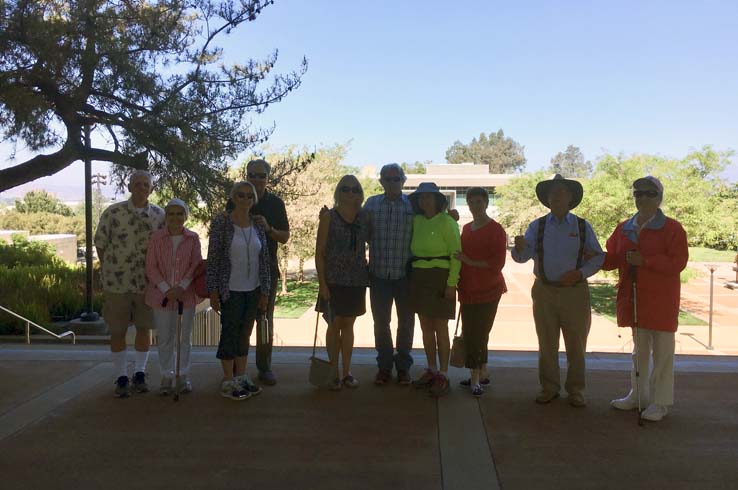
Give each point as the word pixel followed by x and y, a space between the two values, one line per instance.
pixel 272 208
pixel 123 236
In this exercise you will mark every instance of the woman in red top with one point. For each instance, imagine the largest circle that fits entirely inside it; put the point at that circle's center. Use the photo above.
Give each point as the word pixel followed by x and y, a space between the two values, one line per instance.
pixel 482 257
pixel 651 250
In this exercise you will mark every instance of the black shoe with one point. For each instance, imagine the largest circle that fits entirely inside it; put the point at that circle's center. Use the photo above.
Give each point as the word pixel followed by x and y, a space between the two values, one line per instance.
pixel 122 388
pixel 467 382
pixel 139 382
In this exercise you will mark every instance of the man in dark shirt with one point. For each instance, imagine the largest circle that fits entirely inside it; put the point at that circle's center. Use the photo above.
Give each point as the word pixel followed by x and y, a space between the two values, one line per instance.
pixel 271 213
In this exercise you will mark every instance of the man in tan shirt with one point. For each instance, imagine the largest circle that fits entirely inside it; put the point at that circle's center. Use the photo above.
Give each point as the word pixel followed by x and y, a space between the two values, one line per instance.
pixel 121 239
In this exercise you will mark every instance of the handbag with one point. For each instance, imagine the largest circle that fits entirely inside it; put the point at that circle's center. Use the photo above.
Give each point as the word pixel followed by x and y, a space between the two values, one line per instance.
pixel 458 349
pixel 198 280
pixel 322 372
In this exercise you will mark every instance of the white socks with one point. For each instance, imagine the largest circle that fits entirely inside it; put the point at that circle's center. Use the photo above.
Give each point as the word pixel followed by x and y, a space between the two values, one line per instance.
pixel 119 363
pixel 141 358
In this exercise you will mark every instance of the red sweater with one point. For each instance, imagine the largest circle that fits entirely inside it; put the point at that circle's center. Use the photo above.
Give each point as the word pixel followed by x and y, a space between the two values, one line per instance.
pixel 663 245
pixel 483 284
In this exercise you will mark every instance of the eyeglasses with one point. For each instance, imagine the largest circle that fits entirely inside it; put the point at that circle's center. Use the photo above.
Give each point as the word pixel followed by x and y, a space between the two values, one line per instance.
pixel 355 189
pixel 257 175
pixel 244 195
pixel 645 194
pixel 392 179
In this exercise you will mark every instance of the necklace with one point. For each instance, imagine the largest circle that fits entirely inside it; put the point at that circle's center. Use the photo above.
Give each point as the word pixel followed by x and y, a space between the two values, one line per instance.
pixel 248 249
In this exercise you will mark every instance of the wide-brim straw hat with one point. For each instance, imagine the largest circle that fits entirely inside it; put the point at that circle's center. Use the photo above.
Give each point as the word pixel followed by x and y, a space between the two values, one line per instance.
pixel 426 188
pixel 543 189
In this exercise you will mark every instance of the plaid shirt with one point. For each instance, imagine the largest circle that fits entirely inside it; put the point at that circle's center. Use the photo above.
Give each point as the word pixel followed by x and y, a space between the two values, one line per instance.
pixel 392 228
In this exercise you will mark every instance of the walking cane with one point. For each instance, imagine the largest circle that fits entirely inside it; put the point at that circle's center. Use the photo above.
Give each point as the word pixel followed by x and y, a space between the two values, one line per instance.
pixel 180 308
pixel 635 341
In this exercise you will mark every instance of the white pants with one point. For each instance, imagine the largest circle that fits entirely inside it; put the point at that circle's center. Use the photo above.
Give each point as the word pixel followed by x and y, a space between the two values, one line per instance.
pixel 166 335
pixel 656 380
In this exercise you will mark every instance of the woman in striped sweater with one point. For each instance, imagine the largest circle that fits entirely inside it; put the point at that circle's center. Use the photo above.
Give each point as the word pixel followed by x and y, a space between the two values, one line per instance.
pixel 172 255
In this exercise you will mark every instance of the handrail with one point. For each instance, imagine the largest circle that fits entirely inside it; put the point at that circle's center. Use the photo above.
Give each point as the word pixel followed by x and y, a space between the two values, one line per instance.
pixel 30 322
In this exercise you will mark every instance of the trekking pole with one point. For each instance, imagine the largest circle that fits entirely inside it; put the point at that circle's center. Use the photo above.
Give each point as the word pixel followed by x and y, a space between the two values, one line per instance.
pixel 635 341
pixel 180 308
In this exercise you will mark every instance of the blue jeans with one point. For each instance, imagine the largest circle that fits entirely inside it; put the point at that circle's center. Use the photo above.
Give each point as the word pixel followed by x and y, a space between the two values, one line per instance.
pixel 381 293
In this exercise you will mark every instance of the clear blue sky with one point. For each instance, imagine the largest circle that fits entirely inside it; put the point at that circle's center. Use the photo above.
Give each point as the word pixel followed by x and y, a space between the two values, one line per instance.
pixel 402 80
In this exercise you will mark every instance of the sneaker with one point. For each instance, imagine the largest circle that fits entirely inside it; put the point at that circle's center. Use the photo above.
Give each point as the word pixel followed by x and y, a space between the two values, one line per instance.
pixel 139 382
pixel 577 400
pixel 440 386
pixel 185 385
pixel 350 382
pixel 267 378
pixel 403 377
pixel 166 386
pixel 247 385
pixel 545 397
pixel 629 402
pixel 122 388
pixel 383 376
pixel 336 385
pixel 477 391
pixel 230 389
pixel 654 412
pixel 467 382
pixel 425 380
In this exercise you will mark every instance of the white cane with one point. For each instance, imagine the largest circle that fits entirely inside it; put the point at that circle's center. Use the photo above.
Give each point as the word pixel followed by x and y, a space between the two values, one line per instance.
pixel 635 341
pixel 180 309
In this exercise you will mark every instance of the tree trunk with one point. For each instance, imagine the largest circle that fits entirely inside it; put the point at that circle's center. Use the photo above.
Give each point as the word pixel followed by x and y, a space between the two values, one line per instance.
pixel 283 272
pixel 301 271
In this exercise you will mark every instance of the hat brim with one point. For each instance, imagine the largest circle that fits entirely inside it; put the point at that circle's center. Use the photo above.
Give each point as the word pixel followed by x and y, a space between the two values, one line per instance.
pixel 543 189
pixel 414 196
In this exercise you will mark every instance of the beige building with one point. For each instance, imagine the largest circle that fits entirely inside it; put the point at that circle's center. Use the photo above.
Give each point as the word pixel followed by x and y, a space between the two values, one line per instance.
pixel 455 179
pixel 65 246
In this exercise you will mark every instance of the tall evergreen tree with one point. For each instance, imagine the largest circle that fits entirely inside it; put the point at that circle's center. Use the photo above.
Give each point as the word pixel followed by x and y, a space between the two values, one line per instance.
pixel 147 76
pixel 500 153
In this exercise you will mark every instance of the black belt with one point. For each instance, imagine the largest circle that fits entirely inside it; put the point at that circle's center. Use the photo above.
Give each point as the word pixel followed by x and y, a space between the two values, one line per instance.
pixel 557 284
pixel 440 257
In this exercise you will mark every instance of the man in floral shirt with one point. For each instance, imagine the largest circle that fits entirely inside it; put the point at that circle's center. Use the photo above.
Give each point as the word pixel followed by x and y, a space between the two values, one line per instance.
pixel 121 239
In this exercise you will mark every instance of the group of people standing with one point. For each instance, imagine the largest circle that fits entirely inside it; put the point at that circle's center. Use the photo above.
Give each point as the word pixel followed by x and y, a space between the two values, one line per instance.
pixel 149 261
pixel 417 260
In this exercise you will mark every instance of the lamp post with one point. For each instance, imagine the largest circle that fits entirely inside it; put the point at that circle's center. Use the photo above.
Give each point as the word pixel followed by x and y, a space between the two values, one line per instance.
pixel 88 315
pixel 712 269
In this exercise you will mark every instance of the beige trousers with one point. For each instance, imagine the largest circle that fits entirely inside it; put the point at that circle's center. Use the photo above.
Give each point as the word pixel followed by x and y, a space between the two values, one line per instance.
pixel 561 310
pixel 656 379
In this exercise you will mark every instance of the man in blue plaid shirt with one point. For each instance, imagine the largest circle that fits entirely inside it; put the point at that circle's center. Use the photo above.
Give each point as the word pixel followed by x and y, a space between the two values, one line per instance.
pixel 389 253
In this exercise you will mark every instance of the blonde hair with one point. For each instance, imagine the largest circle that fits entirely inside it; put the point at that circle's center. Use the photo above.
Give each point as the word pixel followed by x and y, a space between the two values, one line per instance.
pixel 345 181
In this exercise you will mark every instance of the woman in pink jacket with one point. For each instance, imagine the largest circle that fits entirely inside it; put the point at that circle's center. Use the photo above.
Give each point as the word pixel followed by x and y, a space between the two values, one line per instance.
pixel 650 250
pixel 171 258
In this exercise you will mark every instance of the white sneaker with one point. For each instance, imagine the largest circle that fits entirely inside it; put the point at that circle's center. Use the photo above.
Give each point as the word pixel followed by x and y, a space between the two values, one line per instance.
pixel 629 402
pixel 654 412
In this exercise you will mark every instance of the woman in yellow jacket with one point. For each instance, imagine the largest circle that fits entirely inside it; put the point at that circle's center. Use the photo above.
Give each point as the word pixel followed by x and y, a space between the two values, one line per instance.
pixel 433 280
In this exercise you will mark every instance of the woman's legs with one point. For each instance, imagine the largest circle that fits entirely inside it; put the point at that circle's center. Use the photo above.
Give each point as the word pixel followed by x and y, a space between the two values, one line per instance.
pixel 429 341
pixel 440 326
pixel 346 330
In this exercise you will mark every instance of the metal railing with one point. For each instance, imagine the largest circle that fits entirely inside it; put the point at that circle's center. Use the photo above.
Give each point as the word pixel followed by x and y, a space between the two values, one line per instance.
pixel 206 329
pixel 29 323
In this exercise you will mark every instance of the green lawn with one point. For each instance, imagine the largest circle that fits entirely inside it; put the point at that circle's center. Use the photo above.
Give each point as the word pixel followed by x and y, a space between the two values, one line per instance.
pixel 299 298
pixel 701 254
pixel 603 303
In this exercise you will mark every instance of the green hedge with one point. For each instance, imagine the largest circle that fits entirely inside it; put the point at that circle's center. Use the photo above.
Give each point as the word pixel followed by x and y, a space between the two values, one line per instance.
pixel 37 285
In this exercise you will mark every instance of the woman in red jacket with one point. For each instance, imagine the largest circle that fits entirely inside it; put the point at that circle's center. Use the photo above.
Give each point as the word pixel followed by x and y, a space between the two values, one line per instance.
pixel 651 250
pixel 482 257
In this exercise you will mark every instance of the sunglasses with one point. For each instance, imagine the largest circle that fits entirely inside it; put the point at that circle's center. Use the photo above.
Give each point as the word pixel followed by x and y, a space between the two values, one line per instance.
pixel 392 179
pixel 255 175
pixel 645 194
pixel 355 190
pixel 244 195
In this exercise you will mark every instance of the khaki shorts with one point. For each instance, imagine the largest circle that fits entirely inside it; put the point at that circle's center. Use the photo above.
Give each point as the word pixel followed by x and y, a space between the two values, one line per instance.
pixel 123 309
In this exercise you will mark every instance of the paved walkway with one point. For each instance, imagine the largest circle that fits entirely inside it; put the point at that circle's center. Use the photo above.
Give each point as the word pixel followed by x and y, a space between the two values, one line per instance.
pixel 60 427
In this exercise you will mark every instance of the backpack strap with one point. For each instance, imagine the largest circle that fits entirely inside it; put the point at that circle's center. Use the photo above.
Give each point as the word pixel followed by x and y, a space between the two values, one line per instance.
pixel 582 238
pixel 539 246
